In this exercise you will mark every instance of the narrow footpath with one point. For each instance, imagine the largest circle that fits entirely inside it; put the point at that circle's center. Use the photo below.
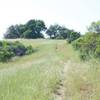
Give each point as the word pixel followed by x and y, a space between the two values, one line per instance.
pixel 60 89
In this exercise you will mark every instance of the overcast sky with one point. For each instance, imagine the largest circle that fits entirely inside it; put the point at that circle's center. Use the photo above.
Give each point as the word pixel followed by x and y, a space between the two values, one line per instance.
pixel 74 14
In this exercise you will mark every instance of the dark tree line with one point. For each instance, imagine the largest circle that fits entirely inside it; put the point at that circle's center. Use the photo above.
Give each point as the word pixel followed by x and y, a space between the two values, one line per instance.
pixel 34 29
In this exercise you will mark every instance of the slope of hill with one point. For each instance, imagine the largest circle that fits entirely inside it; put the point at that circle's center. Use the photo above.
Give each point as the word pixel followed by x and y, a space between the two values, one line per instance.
pixel 53 72
pixel 34 77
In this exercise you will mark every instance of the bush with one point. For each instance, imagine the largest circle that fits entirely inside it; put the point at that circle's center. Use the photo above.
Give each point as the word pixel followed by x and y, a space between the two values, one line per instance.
pixel 11 49
pixel 5 54
pixel 18 48
pixel 88 45
pixel 97 52
pixel 29 50
pixel 73 36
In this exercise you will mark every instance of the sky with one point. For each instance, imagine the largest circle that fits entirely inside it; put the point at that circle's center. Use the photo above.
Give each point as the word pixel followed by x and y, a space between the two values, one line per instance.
pixel 74 14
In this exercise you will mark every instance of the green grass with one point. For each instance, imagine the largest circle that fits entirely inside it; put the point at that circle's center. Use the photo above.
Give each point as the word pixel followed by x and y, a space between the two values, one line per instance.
pixel 34 77
pixel 82 81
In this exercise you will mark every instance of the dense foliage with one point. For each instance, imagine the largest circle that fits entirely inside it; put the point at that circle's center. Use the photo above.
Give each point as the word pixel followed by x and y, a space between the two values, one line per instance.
pixel 60 32
pixel 88 45
pixel 73 36
pixel 11 49
pixel 32 29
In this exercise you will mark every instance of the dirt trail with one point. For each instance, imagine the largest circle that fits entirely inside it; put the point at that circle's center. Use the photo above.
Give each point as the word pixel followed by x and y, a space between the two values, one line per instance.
pixel 60 90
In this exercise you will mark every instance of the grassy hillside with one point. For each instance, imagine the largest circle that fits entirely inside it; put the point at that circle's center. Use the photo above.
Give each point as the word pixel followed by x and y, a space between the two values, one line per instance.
pixel 82 80
pixel 36 76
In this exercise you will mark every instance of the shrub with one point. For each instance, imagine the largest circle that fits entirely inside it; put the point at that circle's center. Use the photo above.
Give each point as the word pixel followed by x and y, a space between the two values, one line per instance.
pixel 5 54
pixel 29 50
pixel 18 48
pixel 88 45
pixel 97 52
pixel 11 49
pixel 73 36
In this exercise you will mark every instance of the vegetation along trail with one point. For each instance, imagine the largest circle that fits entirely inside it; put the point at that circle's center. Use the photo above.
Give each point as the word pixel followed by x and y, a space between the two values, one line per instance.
pixel 53 72
pixel 36 76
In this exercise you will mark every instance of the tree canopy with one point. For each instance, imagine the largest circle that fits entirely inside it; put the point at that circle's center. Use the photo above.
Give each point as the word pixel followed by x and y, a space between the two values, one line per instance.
pixel 61 32
pixel 32 29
